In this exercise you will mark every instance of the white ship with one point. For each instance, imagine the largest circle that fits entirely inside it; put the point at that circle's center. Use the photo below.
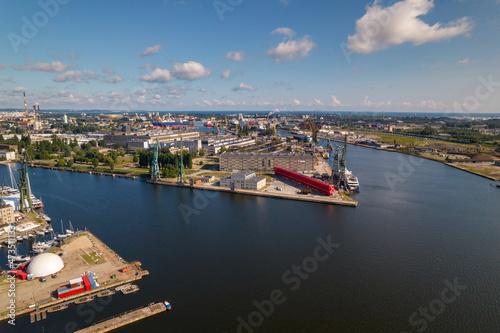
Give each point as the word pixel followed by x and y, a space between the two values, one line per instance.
pixel 352 181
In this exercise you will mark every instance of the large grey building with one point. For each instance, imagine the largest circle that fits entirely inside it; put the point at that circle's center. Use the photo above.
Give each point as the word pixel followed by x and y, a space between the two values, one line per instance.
pixel 300 162
pixel 246 180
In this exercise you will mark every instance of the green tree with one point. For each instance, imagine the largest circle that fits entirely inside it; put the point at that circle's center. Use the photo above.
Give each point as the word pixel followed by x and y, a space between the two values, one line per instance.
pixel 61 162
pixel 101 143
pixel 201 152
pixel 70 162
pixel 135 159
pixel 95 163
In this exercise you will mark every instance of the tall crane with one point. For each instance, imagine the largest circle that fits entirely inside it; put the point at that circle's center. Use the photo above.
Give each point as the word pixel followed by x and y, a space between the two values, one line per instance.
pixel 314 130
pixel 155 169
pixel 25 105
pixel 181 174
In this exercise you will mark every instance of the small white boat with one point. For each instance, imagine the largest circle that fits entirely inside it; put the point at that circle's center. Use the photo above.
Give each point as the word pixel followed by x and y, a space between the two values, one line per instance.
pixel 25 236
pixel 21 258
pixel 40 233
pixel 19 238
pixel 167 304
pixel 31 235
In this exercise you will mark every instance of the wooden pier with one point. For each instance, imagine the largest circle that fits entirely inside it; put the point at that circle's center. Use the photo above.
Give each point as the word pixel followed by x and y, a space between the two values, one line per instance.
pixel 125 318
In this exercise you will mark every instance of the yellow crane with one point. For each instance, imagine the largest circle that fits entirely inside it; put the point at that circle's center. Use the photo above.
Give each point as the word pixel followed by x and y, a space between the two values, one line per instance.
pixel 314 130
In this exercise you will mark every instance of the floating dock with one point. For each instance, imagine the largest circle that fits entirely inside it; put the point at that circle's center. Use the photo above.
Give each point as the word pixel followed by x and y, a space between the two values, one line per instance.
pixel 125 318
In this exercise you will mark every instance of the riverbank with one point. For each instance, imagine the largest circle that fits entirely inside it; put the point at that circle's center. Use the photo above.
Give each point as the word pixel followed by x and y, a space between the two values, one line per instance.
pixel 131 175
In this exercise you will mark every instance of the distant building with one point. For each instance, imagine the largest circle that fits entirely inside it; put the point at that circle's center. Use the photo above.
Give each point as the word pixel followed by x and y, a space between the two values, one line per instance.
pixel 6 213
pixel 8 155
pixel 213 144
pixel 299 162
pixel 191 144
pixel 246 180
pixel 65 119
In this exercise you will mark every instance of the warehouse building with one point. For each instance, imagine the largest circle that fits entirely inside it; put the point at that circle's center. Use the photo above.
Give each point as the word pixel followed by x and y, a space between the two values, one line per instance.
pixel 298 162
pixel 246 180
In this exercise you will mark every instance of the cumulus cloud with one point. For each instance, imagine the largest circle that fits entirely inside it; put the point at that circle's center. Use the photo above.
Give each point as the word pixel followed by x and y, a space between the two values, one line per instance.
pixel 291 50
pixel 243 86
pixel 203 90
pixel 76 76
pixel 108 70
pixel 296 102
pixel 335 101
pixel 284 31
pixel 236 56
pixel 151 50
pixel 465 61
pixel 55 66
pixel 18 89
pixel 318 102
pixel 226 74
pixel 190 71
pixel 383 27
pixel 158 75
pixel 115 79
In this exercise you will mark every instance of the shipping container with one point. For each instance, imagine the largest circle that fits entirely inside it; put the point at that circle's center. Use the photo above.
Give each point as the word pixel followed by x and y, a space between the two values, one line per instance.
pixel 18 274
pixel 70 292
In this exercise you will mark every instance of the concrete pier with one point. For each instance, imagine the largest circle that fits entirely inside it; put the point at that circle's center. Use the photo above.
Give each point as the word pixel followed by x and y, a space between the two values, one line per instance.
pixel 299 197
pixel 125 318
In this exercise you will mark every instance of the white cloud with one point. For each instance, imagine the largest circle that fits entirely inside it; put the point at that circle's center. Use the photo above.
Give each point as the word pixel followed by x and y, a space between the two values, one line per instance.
pixel 158 75
pixel 18 89
pixel 149 65
pixel 236 56
pixel 108 70
pixel 318 102
pixel 226 74
pixel 291 50
pixel 55 66
pixel 115 79
pixel 335 101
pixel 151 50
pixel 3 66
pixel 284 31
pixel 243 86
pixel 203 90
pixel 296 102
pixel 207 102
pixel 190 71
pixel 76 76
pixel 465 61
pixel 383 27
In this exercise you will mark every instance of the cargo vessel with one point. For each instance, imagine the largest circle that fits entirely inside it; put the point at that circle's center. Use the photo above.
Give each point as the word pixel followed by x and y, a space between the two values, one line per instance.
pixel 130 289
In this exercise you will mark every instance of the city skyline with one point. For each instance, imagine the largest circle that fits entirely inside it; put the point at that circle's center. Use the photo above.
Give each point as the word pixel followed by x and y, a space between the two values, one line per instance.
pixel 398 56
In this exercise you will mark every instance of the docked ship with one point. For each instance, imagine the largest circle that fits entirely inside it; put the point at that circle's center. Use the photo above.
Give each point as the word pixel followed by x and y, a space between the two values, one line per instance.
pixel 352 181
pixel 208 124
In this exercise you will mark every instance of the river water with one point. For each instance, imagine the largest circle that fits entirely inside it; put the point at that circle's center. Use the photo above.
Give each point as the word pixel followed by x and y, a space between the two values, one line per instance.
pixel 420 252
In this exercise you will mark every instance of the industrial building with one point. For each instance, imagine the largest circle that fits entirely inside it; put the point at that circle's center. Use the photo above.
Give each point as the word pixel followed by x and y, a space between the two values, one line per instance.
pixel 246 180
pixel 147 139
pixel 299 162
pixel 191 144
pixel 213 144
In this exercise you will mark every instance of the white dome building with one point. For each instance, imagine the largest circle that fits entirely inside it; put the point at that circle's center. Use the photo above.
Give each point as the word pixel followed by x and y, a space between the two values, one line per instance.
pixel 45 264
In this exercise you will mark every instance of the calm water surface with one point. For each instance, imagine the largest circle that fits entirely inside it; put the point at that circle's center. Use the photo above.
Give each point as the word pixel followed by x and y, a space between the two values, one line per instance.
pixel 415 228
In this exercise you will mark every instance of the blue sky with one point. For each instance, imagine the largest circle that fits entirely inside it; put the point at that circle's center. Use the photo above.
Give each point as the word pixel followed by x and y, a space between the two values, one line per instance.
pixel 409 55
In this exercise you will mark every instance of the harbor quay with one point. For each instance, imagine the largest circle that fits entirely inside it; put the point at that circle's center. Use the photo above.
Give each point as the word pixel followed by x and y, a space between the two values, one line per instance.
pixel 82 254
pixel 272 192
